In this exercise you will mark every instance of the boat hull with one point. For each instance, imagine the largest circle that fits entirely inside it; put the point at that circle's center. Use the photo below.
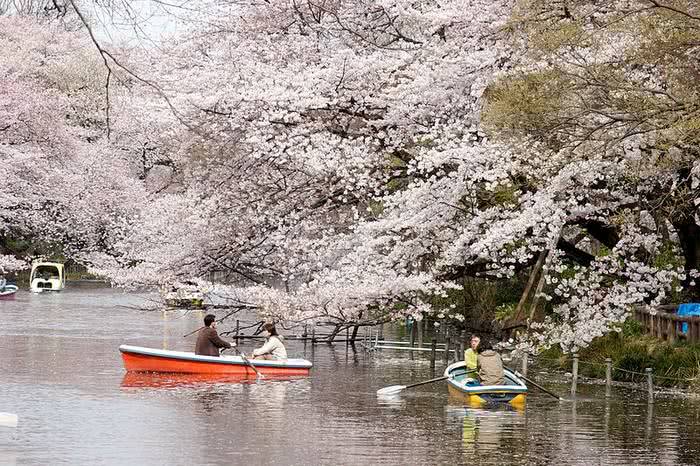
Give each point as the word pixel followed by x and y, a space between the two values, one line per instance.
pixel 39 285
pixel 486 398
pixel 513 392
pixel 139 359
pixel 8 292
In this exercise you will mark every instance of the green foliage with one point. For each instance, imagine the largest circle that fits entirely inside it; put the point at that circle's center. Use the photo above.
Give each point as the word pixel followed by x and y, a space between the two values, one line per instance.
pixel 396 162
pixel 631 354
pixel 632 328
pixel 400 306
pixel 505 311
pixel 500 196
pixel 523 103
pixel 668 257
pixel 481 302
pixel 425 142
pixel 375 207
pixel 397 184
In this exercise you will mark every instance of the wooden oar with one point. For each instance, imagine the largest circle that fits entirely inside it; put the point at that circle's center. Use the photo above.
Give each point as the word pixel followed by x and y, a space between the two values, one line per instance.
pixel 533 383
pixel 194 331
pixel 393 389
pixel 247 361
pixel 8 420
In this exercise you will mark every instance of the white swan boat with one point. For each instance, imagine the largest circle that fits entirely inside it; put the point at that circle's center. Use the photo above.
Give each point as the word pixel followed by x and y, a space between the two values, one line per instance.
pixel 47 276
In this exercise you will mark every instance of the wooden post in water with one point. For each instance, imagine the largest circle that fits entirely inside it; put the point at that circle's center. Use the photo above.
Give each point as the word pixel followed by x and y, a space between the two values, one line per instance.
pixel 238 326
pixel 574 375
pixel 608 376
pixel 523 366
pixel 447 351
pixel 650 384
pixel 433 347
pixel 420 333
pixel 313 335
pixel 347 337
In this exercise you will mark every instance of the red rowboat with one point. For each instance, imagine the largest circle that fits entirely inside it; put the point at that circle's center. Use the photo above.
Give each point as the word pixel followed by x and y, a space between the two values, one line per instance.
pixel 140 359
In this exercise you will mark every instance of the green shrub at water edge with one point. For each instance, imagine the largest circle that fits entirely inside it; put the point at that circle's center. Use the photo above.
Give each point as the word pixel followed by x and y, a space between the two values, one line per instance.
pixel 631 353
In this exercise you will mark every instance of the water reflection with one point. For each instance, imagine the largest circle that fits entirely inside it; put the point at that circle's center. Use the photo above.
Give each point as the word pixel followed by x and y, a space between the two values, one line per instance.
pixel 483 428
pixel 395 401
pixel 63 375
pixel 172 380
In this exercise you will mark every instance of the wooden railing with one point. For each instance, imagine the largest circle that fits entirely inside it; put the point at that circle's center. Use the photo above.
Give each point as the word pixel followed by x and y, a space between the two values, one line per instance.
pixel 669 326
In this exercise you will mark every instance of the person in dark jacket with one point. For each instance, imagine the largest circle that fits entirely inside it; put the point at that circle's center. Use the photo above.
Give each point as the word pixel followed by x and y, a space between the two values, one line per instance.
pixel 209 342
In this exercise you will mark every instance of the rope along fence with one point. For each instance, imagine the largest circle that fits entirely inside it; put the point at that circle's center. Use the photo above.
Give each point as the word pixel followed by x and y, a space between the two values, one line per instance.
pixel 637 376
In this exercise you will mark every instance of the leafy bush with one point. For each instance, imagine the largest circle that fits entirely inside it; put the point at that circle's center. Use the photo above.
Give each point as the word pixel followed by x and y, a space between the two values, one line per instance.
pixel 631 354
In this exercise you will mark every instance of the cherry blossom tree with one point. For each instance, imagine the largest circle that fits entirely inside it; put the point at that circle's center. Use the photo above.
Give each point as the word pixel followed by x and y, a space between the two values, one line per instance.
pixel 343 149
pixel 370 155
pixel 63 181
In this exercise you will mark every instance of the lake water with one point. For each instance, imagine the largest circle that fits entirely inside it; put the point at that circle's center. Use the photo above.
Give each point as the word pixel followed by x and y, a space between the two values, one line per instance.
pixel 61 372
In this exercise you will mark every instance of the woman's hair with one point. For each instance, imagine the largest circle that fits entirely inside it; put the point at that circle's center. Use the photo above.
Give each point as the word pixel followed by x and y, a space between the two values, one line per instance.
pixel 483 346
pixel 270 328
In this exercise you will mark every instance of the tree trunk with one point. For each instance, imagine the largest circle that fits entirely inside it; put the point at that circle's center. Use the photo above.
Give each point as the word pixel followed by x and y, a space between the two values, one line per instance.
pixel 689 237
pixel 334 333
pixel 355 329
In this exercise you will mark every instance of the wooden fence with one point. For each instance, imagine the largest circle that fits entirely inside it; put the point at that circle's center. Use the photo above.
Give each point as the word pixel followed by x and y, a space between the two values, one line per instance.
pixel 669 326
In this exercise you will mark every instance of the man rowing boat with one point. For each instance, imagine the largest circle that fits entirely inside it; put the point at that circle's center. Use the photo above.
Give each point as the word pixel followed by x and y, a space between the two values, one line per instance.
pixel 209 343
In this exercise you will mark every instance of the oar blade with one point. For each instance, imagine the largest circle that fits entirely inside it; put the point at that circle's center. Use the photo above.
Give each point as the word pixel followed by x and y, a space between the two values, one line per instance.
pixel 392 390
pixel 8 420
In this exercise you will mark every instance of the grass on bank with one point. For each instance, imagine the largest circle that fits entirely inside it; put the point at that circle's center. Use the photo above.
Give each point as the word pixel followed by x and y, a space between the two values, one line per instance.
pixel 632 351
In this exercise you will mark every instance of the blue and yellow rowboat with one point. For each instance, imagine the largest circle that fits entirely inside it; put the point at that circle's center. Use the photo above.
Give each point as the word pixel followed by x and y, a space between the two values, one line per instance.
pixel 459 384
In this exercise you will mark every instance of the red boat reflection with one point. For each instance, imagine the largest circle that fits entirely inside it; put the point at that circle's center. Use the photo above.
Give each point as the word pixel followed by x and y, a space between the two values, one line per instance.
pixel 172 380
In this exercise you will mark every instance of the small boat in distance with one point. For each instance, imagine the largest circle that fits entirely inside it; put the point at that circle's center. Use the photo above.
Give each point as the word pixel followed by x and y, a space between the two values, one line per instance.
pixel 8 291
pixel 140 359
pixel 459 385
pixel 47 276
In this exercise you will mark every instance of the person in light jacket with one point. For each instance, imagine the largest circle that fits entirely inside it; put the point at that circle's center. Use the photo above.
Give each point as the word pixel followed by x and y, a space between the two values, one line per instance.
pixel 470 354
pixel 273 347
pixel 490 365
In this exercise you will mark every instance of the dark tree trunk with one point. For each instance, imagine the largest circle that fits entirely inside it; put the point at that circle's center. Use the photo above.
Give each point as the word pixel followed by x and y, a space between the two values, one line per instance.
pixel 334 333
pixel 355 329
pixel 689 238
pixel 606 234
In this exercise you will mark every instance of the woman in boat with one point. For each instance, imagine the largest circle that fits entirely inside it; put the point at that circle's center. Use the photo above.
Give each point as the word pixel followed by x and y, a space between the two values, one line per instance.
pixel 490 365
pixel 470 354
pixel 273 347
